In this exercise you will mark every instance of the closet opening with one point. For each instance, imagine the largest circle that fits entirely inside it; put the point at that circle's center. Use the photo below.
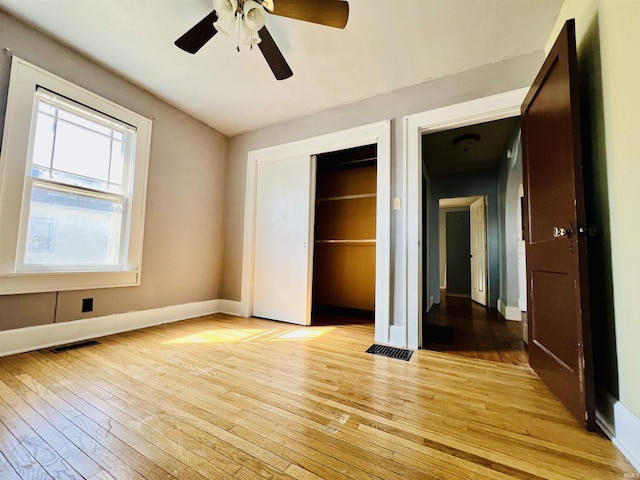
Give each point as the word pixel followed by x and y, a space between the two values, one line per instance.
pixel 344 257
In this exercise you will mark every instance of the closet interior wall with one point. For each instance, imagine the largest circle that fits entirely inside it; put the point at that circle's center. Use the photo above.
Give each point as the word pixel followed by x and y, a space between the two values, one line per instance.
pixel 344 271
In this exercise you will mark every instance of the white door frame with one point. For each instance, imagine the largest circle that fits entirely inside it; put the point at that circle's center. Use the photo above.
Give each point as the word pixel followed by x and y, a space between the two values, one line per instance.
pixel 377 133
pixel 485 109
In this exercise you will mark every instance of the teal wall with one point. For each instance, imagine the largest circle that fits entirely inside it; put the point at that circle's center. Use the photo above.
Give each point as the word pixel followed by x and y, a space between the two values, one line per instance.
pixel 465 185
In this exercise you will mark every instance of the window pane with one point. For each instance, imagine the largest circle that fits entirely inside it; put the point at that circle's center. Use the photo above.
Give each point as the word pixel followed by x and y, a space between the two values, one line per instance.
pixel 43 143
pixel 81 152
pixel 67 228
pixel 84 122
pixel 117 164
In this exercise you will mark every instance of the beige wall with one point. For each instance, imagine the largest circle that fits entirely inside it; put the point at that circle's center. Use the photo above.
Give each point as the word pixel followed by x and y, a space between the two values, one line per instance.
pixel 618 24
pixel 183 240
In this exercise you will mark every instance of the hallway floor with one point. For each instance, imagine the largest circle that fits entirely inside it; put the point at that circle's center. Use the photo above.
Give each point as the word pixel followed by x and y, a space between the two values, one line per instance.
pixel 474 331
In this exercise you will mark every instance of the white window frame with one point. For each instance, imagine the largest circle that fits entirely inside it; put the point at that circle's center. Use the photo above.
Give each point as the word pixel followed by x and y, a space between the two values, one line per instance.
pixel 14 161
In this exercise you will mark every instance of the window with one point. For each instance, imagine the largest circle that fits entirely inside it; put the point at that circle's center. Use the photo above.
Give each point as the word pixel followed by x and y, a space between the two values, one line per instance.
pixel 73 170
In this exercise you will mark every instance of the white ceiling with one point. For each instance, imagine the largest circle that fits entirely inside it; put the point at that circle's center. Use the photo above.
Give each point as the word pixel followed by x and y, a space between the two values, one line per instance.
pixel 387 45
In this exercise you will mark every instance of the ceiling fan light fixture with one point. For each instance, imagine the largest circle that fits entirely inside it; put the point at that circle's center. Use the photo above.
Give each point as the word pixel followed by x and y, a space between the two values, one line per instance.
pixel 251 37
pixel 267 4
pixel 226 10
pixel 254 15
pixel 251 15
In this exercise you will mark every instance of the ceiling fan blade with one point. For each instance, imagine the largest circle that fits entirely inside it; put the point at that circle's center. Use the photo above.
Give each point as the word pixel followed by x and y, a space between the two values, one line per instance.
pixel 199 34
pixel 273 56
pixel 332 13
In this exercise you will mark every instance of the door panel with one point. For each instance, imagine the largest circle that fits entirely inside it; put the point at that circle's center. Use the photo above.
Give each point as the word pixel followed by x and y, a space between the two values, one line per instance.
pixel 478 229
pixel 281 286
pixel 558 307
pixel 560 341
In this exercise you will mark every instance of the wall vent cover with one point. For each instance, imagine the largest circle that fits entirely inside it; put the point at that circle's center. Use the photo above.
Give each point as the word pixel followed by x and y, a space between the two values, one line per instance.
pixel 75 346
pixel 391 352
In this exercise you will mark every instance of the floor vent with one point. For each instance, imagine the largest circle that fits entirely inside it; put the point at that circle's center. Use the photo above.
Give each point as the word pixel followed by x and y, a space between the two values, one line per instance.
pixel 391 352
pixel 75 346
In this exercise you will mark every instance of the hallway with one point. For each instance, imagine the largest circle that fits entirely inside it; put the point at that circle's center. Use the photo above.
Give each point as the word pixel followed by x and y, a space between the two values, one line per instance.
pixel 462 327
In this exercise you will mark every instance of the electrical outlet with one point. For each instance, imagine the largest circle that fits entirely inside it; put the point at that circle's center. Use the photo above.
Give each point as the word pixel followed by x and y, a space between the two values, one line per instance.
pixel 87 304
pixel 396 203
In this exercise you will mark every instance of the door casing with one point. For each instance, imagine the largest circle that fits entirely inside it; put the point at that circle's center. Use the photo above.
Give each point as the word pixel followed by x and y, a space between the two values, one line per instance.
pixel 481 110
pixel 377 133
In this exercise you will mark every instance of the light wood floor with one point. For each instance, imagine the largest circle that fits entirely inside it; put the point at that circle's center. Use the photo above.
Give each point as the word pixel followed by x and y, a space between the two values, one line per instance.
pixel 222 397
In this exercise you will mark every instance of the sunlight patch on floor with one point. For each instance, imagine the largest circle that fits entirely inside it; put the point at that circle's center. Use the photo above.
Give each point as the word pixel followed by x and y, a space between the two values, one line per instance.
pixel 218 336
pixel 305 333
pixel 249 335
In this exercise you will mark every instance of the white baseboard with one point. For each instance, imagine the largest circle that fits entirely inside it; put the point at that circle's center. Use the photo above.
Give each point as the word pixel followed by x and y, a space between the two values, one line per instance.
pixel 627 435
pixel 230 307
pixel 605 415
pixel 510 313
pixel 43 336
pixel 397 336
pixel 429 303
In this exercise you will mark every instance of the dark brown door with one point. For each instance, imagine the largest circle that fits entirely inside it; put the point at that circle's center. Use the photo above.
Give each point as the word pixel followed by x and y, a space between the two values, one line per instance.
pixel 557 288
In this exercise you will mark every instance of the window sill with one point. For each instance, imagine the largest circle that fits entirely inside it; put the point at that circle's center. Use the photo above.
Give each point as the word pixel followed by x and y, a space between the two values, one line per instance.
pixel 18 283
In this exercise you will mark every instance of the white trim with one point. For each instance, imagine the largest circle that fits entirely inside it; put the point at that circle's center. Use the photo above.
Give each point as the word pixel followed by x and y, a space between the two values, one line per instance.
pixel 396 335
pixel 627 437
pixel 12 284
pixel 510 313
pixel 378 133
pixel 43 336
pixel 486 109
pixel 230 307
pixel 14 157
pixel 605 415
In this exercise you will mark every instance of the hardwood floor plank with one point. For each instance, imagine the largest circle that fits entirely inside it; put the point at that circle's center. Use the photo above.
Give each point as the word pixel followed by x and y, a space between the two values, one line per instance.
pixel 91 419
pixel 59 432
pixel 298 472
pixel 17 458
pixel 7 472
pixel 45 454
pixel 224 397
pixel 133 426
pixel 174 423
pixel 478 332
pixel 67 420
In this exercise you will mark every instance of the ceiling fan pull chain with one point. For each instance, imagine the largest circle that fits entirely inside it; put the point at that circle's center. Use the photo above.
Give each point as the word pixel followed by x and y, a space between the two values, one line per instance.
pixel 240 18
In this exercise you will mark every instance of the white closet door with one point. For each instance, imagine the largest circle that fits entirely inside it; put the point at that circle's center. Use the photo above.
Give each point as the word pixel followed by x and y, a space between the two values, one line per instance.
pixel 283 240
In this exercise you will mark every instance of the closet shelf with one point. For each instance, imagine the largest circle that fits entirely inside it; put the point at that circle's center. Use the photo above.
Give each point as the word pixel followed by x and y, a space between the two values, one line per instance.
pixel 369 241
pixel 346 197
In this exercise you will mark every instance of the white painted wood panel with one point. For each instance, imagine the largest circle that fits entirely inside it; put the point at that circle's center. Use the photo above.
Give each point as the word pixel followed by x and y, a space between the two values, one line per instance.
pixel 283 245
pixel 478 252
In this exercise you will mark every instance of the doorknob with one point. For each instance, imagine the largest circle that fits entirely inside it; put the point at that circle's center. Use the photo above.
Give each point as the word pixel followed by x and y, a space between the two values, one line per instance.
pixel 561 232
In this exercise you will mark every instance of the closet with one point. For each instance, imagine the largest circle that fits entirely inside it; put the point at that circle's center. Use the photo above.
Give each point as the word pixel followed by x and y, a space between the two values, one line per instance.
pixel 344 263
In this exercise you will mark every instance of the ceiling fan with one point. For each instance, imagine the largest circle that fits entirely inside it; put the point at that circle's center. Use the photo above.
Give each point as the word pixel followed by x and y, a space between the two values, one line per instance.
pixel 250 16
